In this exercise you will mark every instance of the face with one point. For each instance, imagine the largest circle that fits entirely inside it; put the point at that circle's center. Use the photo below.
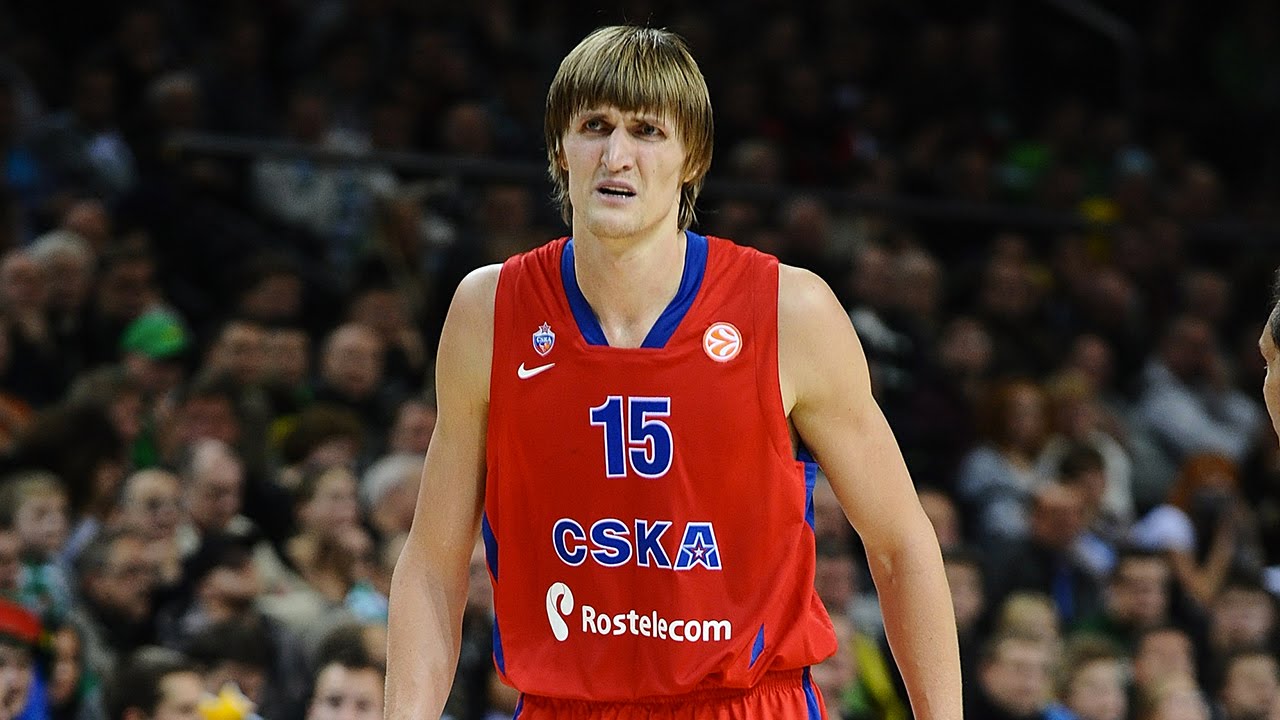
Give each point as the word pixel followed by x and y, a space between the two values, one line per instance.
pixel 1017 678
pixel 1271 385
pixel 625 173
pixel 15 679
pixel 124 584
pixel 1097 692
pixel 214 495
pixel 347 694
pixel 233 588
pixel 41 522
pixel 65 673
pixel 834 581
pixel 242 351
pixel 1251 687
pixel 334 507
pixel 153 503
pixel 1139 593
pixel 22 282
pixel 180 695
pixel 414 424
pixel 1163 655
pixel 967 598
pixel 353 361
pixel 10 562
pixel 288 353
pixel 1241 617
pixel 126 289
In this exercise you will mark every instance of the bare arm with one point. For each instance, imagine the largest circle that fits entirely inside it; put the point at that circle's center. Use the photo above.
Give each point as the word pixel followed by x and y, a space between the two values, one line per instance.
pixel 429 586
pixel 826 389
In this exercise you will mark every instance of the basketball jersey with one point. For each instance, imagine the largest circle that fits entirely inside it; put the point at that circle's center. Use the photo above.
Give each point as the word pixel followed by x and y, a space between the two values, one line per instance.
pixel 647 527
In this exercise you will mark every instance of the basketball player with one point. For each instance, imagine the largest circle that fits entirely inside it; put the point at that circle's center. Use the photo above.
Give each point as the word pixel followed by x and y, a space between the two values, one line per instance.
pixel 620 414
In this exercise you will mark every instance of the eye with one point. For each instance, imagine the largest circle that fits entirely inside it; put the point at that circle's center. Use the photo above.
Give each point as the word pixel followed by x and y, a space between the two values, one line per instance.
pixel 594 124
pixel 650 130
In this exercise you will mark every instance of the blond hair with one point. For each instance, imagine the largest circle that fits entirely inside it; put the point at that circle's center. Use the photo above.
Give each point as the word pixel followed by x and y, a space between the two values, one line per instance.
pixel 634 69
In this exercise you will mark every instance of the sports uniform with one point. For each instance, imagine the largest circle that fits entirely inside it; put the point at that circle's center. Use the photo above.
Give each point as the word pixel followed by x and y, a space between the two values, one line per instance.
pixel 647 526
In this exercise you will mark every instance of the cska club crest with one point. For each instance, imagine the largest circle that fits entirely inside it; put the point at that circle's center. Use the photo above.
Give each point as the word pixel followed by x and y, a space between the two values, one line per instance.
pixel 544 340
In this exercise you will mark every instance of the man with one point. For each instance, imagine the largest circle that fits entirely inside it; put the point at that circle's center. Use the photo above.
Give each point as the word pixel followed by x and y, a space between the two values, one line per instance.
pixel 348 687
pixel 1251 685
pixel 1016 680
pixel 633 455
pixel 1269 346
pixel 117 577
pixel 19 634
pixel 1136 598
pixel 156 684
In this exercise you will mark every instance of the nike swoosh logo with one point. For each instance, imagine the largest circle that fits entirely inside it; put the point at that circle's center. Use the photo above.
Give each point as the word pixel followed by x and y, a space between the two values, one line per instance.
pixel 525 374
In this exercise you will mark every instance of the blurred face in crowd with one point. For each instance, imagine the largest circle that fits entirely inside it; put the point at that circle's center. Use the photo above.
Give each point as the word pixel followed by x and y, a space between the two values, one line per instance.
pixel 383 310
pixel 180 695
pixel 1241 617
pixel 1097 691
pixel 835 675
pixel 70 278
pixel 1179 699
pixel 123 585
pixel 41 523
pixel 152 503
pixel 1188 350
pixel 288 356
pixel 344 693
pixel 67 667
pixel 1017 678
pixel 965 348
pixel 241 352
pixel 23 286
pixel 415 421
pixel 1057 516
pixel 127 288
pixel 942 515
pixel 1161 655
pixel 1271 385
pixel 1251 687
pixel 1138 594
pixel 10 562
pixel 275 297
pixel 215 488
pixel 967 597
pixel 352 362
pixel 334 507
pixel 15 678
pixel 231 589
pixel 207 417
pixel 834 581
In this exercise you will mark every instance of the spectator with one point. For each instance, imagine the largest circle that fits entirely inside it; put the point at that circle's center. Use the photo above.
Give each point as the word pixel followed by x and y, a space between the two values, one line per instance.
pixel 1015 680
pixel 213 480
pixel 1162 653
pixel 351 376
pixel 411 432
pixel 19 635
pixel 347 688
pixel 1093 683
pixel 1137 598
pixel 389 493
pixel 1188 401
pixel 156 684
pixel 116 611
pixel 151 505
pixel 34 504
pixel 1251 685
pixel 1206 527
pixel 997 479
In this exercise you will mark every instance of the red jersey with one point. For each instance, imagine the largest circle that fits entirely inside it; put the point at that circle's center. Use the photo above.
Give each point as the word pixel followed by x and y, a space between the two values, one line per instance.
pixel 648 529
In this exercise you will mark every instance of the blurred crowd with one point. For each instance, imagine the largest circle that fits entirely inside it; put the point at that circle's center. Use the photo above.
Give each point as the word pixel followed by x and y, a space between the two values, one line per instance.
pixel 215 369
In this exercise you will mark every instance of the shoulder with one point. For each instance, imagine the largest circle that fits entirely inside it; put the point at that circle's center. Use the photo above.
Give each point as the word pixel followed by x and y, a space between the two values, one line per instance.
pixel 805 300
pixel 467 337
pixel 818 349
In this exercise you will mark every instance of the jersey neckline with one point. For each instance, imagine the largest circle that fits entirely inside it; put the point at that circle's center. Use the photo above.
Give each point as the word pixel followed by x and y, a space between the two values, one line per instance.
pixel 695 265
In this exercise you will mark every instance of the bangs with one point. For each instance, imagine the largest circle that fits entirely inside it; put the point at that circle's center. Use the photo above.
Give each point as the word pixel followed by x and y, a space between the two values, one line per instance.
pixel 637 78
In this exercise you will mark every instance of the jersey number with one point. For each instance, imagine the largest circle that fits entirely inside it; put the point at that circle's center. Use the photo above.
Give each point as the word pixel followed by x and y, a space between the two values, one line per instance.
pixel 633 435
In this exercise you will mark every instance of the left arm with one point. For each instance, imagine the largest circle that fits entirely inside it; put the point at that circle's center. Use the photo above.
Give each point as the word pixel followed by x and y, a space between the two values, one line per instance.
pixel 826 390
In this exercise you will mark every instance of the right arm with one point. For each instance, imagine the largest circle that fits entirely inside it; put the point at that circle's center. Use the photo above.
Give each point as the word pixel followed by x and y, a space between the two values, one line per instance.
pixel 429 586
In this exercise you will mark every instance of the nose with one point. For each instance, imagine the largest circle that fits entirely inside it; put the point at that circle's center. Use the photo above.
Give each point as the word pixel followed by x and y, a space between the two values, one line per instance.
pixel 619 151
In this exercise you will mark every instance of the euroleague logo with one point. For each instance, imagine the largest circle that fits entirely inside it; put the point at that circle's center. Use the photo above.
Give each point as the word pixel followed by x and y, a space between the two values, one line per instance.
pixel 722 342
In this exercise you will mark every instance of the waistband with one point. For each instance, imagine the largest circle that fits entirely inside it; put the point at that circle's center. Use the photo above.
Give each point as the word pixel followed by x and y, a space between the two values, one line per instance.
pixel 770 682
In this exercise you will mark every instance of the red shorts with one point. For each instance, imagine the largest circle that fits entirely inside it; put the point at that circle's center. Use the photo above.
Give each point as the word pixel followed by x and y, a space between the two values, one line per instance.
pixel 787 695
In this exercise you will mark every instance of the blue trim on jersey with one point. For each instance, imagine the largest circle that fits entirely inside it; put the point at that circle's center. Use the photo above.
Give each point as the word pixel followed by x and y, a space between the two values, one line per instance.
pixel 811 697
pixel 695 267
pixel 519 707
pixel 498 658
pixel 757 647
pixel 810 480
pixel 491 544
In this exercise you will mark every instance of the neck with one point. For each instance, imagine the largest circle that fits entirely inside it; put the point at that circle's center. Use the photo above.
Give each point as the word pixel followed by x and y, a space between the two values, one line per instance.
pixel 628 283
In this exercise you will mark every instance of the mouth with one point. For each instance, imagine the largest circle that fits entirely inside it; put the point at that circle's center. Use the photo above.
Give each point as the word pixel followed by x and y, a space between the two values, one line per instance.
pixel 616 190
